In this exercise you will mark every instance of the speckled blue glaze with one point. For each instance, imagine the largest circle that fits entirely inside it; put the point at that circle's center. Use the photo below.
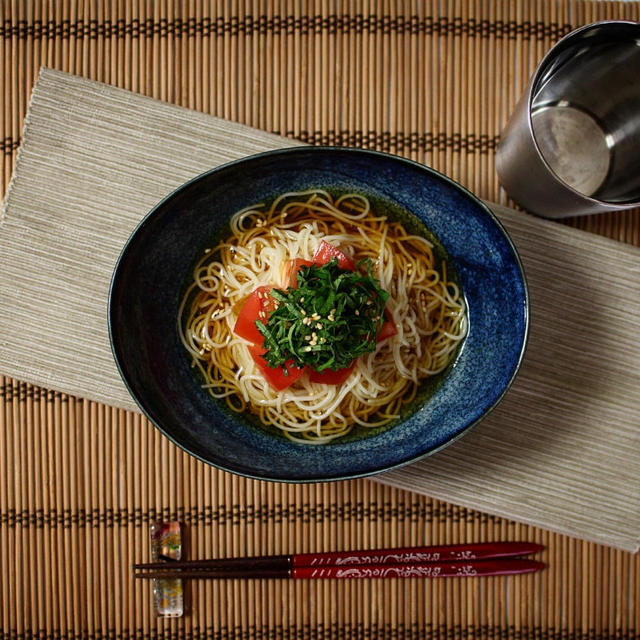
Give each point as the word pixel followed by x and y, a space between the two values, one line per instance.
pixel 156 263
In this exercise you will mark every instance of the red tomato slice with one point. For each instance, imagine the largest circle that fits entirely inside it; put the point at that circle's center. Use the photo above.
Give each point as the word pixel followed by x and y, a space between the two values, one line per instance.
pixel 257 306
pixel 291 269
pixel 324 253
pixel 388 328
pixel 327 251
pixel 275 376
pixel 332 377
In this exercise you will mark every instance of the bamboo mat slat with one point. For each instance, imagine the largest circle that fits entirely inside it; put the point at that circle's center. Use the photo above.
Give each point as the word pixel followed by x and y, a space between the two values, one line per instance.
pixel 434 81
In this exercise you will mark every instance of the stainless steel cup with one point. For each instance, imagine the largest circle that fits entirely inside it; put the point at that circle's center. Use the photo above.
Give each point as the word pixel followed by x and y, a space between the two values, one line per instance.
pixel 572 145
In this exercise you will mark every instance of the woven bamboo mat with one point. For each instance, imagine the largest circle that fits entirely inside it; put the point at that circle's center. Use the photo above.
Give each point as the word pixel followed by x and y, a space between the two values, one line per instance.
pixel 80 482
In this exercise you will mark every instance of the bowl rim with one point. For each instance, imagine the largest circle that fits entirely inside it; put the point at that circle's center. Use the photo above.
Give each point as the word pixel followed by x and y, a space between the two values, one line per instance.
pixel 324 149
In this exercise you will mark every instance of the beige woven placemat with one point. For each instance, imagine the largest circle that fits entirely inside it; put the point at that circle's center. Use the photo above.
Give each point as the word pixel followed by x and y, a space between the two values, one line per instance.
pixel 560 452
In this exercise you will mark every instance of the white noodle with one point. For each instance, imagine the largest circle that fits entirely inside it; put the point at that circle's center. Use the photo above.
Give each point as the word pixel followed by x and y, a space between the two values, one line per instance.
pixel 428 311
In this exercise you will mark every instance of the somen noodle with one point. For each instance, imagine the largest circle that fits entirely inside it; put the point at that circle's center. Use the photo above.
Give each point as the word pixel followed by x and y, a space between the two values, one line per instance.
pixel 427 308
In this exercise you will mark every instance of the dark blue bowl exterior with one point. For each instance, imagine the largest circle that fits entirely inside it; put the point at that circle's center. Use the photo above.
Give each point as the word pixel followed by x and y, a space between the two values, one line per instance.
pixel 155 265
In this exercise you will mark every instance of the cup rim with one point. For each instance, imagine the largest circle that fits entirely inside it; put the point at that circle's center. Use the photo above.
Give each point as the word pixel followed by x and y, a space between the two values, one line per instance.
pixel 535 78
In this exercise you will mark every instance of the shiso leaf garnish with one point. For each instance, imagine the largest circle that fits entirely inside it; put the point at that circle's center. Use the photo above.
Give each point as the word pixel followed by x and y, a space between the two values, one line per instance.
pixel 332 317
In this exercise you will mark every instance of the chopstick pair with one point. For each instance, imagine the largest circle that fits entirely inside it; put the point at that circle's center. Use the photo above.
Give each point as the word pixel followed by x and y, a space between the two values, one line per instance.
pixel 461 560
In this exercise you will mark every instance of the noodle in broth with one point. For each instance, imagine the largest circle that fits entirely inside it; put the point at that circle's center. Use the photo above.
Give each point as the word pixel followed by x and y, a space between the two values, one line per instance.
pixel 427 309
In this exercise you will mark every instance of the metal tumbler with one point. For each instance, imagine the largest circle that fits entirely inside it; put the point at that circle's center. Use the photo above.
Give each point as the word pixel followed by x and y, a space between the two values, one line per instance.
pixel 572 145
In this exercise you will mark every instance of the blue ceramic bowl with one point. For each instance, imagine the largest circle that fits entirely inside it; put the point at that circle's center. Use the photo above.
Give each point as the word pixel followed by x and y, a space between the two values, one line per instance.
pixel 156 263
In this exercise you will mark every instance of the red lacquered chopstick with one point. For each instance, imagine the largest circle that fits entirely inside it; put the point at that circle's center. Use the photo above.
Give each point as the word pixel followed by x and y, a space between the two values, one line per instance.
pixel 459 569
pixel 402 555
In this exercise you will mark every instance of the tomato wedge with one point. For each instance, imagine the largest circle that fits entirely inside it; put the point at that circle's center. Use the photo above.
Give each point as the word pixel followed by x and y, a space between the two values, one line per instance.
pixel 327 251
pixel 291 269
pixel 332 377
pixel 324 253
pixel 388 328
pixel 275 376
pixel 257 306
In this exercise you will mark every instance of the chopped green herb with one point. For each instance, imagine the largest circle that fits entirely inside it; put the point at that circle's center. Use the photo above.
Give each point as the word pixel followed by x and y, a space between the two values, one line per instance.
pixel 332 317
